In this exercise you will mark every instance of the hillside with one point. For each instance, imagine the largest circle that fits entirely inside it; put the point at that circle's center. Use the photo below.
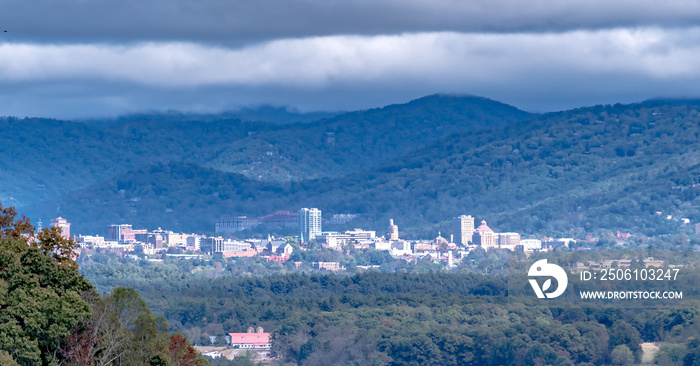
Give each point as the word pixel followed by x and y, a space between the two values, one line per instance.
pixel 604 167
pixel 263 113
pixel 48 158
pixel 180 196
pixel 355 141
pixel 42 158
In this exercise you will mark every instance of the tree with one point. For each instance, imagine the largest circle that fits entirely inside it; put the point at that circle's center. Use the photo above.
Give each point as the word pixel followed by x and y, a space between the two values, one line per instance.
pixel 7 360
pixel 53 244
pixel 40 303
pixel 50 314
pixel 621 355
pixel 141 336
pixel 11 228
pixel 183 354
pixel 79 347
pixel 622 333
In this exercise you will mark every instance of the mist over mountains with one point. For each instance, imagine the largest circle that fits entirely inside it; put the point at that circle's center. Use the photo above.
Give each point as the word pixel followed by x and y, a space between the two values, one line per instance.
pixel 421 163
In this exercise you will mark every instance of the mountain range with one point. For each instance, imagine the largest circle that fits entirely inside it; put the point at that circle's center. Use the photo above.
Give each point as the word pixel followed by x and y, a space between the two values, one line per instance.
pixel 619 167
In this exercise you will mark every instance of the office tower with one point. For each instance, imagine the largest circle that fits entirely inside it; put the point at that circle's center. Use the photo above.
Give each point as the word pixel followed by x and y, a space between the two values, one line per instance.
pixel 123 233
pixel 393 230
pixel 309 220
pixel 463 229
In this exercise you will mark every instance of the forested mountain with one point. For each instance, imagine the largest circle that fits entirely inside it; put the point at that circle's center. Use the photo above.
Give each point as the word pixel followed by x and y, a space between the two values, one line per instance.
pixel 43 158
pixel 610 167
pixel 263 113
pixel 356 141
pixel 604 167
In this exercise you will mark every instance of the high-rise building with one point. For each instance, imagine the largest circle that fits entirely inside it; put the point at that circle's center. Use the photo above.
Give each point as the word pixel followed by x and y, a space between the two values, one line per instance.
pixel 393 230
pixel 484 236
pixel 309 221
pixel 463 229
pixel 121 232
pixel 212 245
pixel 62 224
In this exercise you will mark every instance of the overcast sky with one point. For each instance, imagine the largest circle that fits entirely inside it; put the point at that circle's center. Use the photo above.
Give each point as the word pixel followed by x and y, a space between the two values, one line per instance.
pixel 92 58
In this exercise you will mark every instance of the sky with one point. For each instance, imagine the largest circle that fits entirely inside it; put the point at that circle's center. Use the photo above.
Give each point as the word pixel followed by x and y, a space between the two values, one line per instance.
pixel 103 58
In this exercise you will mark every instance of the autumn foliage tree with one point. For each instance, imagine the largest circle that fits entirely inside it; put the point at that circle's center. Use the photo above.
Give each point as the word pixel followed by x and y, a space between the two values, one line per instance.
pixel 12 227
pixel 182 353
pixel 51 315
pixel 53 244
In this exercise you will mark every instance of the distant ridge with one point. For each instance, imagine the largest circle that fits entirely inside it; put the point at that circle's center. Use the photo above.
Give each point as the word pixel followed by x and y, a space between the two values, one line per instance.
pixel 566 173
pixel 263 113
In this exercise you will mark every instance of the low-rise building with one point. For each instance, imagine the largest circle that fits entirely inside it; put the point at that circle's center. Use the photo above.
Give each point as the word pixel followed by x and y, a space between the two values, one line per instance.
pixel 328 266
pixel 531 245
pixel 508 240
pixel 381 245
pixel 400 248
pixel 334 240
pixel 253 339
pixel 90 240
pixel 234 224
pixel 342 219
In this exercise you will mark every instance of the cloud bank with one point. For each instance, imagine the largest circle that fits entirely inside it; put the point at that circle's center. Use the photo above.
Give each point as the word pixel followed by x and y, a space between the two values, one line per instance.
pixel 238 22
pixel 430 58
pixel 512 67
pixel 78 58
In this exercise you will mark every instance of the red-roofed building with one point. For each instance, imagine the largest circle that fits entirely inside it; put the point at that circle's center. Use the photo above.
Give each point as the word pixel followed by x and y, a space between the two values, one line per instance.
pixel 250 339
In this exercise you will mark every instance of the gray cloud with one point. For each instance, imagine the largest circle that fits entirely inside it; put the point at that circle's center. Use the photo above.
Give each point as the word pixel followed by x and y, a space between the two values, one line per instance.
pixel 439 59
pixel 78 58
pixel 244 22
pixel 533 71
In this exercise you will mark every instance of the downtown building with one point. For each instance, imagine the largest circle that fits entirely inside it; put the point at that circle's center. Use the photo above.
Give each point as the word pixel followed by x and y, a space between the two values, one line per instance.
pixel 463 229
pixel 485 237
pixel 240 223
pixel 309 222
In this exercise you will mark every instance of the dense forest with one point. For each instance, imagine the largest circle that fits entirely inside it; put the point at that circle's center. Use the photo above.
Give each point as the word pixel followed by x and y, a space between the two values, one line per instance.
pixel 76 154
pixel 408 316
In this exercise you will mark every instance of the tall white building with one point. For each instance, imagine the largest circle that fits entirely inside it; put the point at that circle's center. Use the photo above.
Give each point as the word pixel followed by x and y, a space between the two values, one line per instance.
pixel 393 230
pixel 463 229
pixel 309 220
pixel 62 224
